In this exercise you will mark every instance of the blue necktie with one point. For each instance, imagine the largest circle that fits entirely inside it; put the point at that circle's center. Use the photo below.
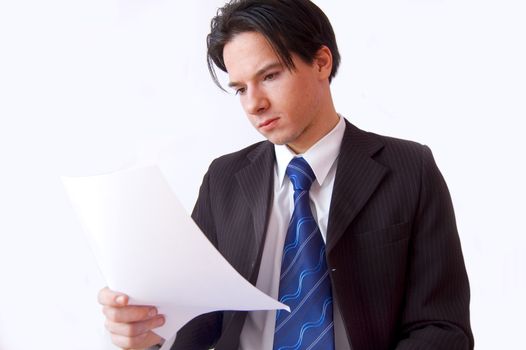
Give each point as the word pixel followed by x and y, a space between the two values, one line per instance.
pixel 304 283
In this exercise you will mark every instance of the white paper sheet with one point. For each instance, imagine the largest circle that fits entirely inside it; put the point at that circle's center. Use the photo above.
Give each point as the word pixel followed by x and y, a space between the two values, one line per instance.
pixel 148 247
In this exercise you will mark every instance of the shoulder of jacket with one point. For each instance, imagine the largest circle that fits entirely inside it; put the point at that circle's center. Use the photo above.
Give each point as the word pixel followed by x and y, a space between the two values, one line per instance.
pixel 239 158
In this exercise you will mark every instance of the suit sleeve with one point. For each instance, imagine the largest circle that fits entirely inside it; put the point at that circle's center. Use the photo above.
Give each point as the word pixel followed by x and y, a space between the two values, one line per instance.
pixel 436 309
pixel 203 331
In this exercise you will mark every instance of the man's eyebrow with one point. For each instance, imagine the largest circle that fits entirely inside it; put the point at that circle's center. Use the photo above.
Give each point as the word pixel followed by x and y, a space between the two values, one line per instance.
pixel 260 72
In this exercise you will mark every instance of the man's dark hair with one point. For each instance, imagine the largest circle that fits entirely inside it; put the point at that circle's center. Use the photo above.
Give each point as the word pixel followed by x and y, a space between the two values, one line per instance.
pixel 290 26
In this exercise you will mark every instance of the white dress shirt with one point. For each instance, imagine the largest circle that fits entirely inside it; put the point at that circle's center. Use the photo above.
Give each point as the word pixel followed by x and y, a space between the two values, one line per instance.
pixel 258 330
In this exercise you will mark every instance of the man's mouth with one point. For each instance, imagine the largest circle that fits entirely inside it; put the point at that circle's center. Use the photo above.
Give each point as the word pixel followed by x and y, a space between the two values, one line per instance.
pixel 267 123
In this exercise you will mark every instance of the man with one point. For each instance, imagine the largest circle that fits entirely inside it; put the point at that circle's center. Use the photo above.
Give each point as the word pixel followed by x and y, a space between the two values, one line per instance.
pixel 355 231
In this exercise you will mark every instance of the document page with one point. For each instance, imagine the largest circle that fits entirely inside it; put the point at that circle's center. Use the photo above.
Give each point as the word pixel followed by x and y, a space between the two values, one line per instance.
pixel 148 247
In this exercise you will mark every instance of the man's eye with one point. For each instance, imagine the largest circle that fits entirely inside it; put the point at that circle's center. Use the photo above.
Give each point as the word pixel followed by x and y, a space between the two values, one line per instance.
pixel 240 91
pixel 270 76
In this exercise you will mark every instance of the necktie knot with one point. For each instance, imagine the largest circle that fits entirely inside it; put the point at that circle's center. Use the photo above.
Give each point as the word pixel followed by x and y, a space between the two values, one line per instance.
pixel 300 174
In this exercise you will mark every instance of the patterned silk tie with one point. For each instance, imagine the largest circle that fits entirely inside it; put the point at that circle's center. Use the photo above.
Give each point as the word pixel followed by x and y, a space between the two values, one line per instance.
pixel 304 283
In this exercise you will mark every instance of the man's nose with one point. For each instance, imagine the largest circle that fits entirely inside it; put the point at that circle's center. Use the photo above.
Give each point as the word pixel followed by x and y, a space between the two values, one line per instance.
pixel 256 102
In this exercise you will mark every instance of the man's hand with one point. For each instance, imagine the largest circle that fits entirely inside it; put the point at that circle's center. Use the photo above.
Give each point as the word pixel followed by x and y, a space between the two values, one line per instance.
pixel 130 325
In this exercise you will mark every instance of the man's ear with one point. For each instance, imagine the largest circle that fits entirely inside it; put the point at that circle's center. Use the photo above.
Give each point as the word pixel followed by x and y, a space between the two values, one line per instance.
pixel 323 62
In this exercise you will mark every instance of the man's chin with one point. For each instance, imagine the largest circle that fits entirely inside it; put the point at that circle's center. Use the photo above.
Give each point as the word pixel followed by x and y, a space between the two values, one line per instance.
pixel 277 141
pixel 279 138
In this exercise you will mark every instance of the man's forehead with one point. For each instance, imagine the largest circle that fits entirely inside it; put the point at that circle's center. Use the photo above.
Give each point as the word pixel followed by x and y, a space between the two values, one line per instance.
pixel 247 54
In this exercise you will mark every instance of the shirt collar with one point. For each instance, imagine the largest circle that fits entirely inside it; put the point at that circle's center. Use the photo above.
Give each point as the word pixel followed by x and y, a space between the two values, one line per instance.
pixel 321 156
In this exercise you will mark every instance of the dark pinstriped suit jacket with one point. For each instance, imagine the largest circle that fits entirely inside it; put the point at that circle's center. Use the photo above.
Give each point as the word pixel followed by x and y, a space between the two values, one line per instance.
pixel 392 242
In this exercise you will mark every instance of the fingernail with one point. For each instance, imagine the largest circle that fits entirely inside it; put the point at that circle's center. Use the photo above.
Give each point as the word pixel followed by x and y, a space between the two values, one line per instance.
pixel 120 300
pixel 161 321
pixel 152 312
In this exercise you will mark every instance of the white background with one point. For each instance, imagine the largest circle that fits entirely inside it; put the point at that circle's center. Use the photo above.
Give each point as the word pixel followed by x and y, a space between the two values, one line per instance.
pixel 85 85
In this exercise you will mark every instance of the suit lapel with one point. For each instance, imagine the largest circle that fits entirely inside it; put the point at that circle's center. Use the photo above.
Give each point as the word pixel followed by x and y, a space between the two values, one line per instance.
pixel 357 177
pixel 256 182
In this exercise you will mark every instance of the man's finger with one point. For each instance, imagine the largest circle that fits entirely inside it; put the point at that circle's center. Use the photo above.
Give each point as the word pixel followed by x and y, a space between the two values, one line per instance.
pixel 134 329
pixel 131 313
pixel 110 298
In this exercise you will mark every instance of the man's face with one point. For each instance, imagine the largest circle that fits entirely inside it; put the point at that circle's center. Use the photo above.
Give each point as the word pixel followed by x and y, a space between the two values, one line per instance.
pixel 284 106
